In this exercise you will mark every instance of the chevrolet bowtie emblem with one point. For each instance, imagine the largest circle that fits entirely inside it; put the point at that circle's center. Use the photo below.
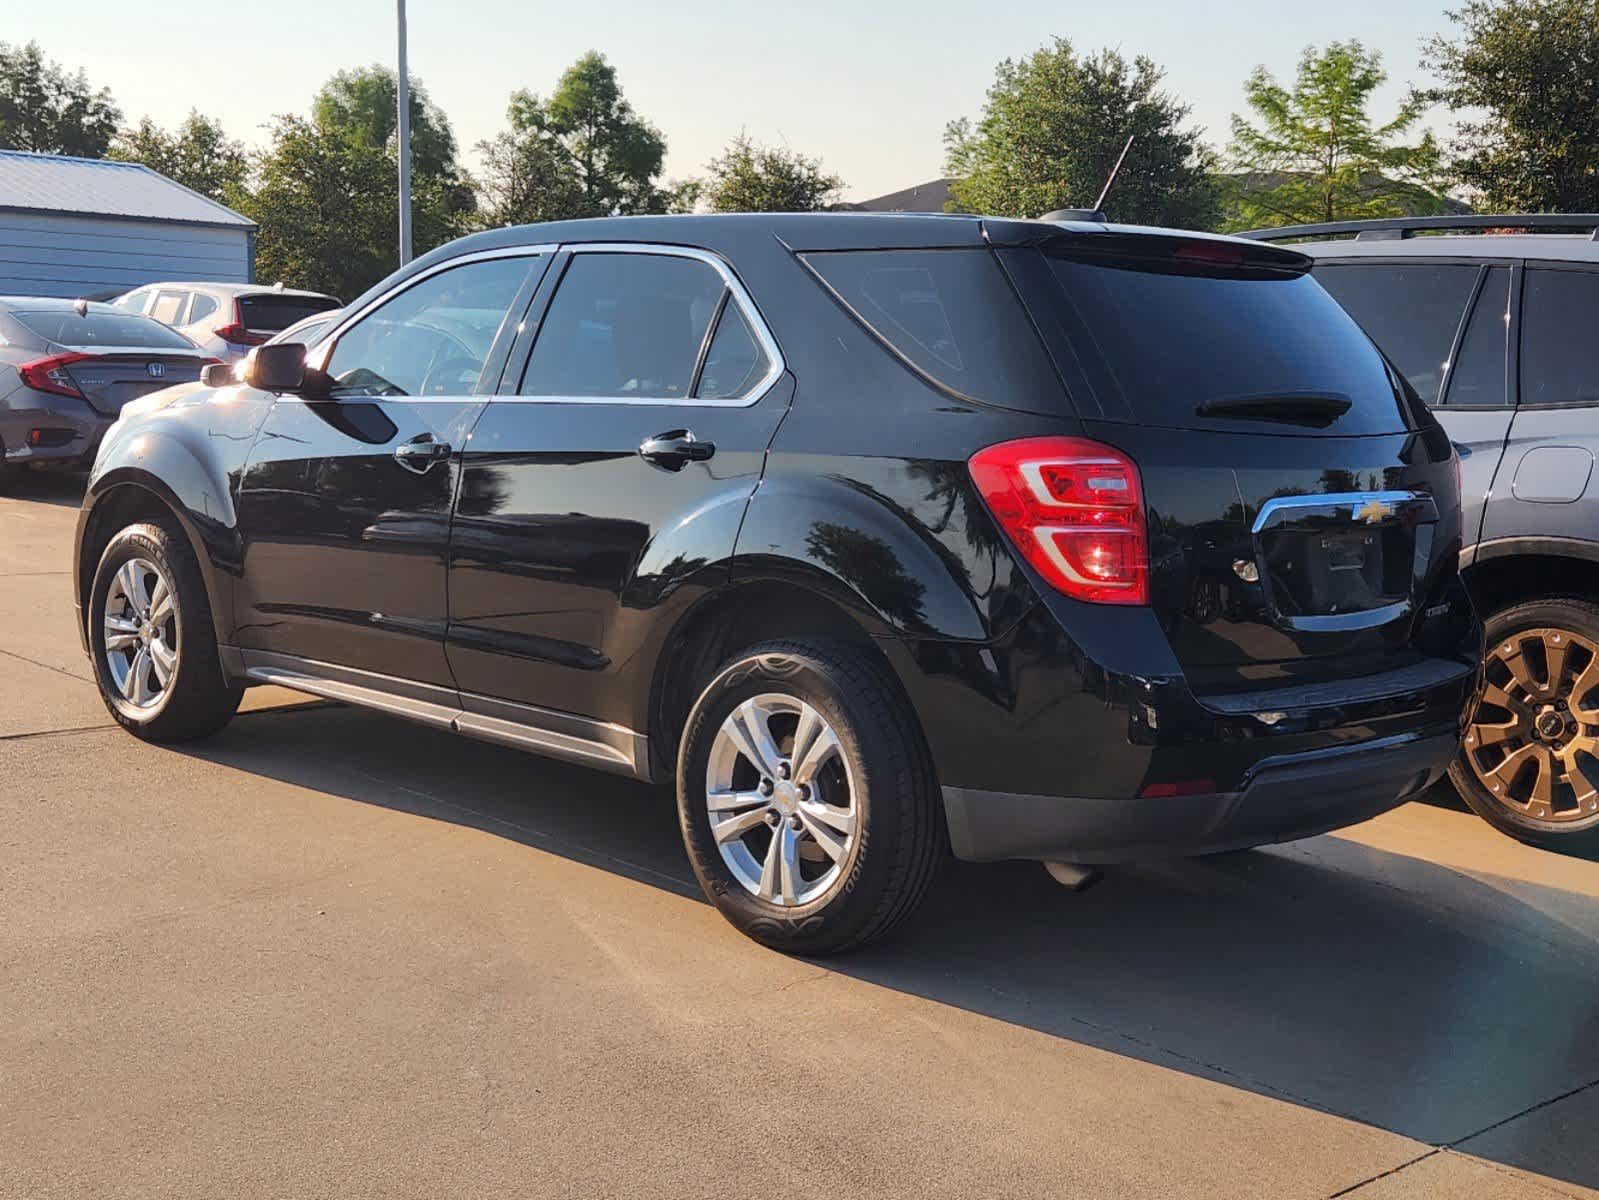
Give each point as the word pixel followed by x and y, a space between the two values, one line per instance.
pixel 1374 511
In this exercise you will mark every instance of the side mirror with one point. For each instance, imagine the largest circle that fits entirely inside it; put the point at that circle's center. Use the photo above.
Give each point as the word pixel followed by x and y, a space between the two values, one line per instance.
pixel 279 367
pixel 217 375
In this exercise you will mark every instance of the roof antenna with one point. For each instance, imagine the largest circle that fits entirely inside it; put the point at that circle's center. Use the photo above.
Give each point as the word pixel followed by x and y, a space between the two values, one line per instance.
pixel 80 306
pixel 1099 204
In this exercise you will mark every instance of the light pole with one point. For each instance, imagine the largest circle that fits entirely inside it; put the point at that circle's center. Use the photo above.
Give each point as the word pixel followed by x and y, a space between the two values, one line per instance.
pixel 405 146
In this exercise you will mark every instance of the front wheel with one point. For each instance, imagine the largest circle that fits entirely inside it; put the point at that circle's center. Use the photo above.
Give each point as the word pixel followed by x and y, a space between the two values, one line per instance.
pixel 1530 762
pixel 806 798
pixel 153 641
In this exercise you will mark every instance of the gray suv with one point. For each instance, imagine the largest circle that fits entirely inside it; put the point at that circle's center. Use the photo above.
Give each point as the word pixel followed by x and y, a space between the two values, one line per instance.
pixel 1494 319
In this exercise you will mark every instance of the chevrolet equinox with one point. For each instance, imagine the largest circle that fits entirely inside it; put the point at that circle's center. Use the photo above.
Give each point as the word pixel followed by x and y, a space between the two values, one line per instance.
pixel 880 536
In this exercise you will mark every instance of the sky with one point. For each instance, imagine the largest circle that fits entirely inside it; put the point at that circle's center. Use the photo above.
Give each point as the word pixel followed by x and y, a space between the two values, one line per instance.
pixel 865 85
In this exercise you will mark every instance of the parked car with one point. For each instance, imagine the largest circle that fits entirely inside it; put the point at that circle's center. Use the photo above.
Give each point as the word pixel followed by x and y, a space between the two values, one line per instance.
pixel 66 369
pixel 308 331
pixel 876 535
pixel 1495 332
pixel 226 319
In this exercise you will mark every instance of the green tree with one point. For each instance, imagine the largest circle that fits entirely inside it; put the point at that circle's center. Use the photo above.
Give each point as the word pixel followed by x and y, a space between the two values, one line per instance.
pixel 585 138
pixel 1316 154
pixel 327 210
pixel 749 177
pixel 363 105
pixel 45 109
pixel 198 154
pixel 1525 70
pixel 1052 128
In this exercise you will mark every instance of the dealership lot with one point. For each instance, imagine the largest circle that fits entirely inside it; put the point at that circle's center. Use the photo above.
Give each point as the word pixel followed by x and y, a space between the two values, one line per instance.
pixel 332 954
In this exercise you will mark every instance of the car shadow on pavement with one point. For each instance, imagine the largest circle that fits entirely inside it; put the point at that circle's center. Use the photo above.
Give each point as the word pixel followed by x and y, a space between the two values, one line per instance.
pixel 45 487
pixel 1456 1008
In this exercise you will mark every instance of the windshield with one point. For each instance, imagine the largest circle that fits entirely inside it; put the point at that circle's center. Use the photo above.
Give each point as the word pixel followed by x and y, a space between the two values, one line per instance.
pixel 66 328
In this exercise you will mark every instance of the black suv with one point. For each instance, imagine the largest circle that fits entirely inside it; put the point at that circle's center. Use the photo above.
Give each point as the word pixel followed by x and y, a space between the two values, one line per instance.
pixel 1492 320
pixel 881 535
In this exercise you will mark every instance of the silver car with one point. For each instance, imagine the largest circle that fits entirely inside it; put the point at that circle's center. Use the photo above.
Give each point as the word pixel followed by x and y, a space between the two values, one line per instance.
pixel 225 319
pixel 68 366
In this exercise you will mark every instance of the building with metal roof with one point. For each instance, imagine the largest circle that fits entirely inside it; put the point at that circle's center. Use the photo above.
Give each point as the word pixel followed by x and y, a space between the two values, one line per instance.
pixel 93 227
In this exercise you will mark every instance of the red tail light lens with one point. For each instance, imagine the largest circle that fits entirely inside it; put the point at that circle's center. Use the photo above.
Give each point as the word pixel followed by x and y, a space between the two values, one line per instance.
pixel 50 374
pixel 235 331
pixel 1075 510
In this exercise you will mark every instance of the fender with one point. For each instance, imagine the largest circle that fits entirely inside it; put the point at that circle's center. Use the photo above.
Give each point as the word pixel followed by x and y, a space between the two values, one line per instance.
pixel 886 559
pixel 1512 547
pixel 184 453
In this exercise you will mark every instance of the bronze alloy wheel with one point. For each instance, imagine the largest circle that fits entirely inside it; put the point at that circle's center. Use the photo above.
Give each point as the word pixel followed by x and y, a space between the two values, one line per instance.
pixel 1533 743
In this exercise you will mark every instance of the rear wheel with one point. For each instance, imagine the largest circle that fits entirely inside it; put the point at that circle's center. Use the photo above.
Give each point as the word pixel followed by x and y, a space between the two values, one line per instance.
pixel 1530 762
pixel 806 798
pixel 152 639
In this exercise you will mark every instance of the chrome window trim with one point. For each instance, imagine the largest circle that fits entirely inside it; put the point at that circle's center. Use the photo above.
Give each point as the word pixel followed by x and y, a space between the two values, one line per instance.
pixel 318 357
pixel 763 335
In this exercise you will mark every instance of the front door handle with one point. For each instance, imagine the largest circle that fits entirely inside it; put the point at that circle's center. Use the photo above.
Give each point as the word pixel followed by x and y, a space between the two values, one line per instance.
pixel 420 453
pixel 675 449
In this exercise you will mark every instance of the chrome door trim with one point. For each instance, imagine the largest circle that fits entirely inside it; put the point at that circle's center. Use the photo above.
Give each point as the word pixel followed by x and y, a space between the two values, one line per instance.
pixel 544 731
pixel 1417 506
pixel 746 303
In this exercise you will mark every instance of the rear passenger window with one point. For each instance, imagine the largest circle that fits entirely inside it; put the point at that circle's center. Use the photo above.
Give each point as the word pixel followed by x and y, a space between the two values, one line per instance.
pixel 950 314
pixel 1412 311
pixel 1559 355
pixel 625 327
pixel 168 307
pixel 203 307
pixel 735 363
pixel 1478 377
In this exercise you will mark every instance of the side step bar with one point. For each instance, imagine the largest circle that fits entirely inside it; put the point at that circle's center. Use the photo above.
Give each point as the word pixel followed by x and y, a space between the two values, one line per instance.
pixel 608 747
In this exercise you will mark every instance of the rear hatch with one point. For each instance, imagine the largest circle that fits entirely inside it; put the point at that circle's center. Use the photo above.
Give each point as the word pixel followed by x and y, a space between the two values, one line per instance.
pixel 267 313
pixel 109 357
pixel 1302 503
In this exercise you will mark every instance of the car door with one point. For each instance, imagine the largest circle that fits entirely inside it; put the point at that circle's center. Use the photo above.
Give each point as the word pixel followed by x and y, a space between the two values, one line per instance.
pixel 1445 324
pixel 344 505
pixel 607 479
pixel 1548 489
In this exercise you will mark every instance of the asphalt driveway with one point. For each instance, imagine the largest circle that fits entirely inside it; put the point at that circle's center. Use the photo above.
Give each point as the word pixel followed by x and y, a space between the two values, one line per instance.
pixel 329 954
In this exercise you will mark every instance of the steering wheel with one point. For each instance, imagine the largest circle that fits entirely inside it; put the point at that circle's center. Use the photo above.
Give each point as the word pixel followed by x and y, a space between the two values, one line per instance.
pixel 441 373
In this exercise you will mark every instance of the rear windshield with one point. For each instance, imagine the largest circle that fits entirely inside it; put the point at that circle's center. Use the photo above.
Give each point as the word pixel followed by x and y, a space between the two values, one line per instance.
pixel 951 315
pixel 1206 349
pixel 66 328
pixel 273 314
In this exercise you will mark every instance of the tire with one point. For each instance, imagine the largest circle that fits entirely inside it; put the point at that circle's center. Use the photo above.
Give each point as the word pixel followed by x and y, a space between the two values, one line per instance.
pixel 876 766
pixel 1526 635
pixel 194 700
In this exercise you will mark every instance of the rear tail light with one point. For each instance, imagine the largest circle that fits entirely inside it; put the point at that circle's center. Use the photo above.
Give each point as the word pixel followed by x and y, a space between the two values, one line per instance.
pixel 235 331
pixel 1075 510
pixel 50 374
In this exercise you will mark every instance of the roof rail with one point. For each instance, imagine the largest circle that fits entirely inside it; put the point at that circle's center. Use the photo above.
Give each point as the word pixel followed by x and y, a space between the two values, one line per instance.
pixel 1394 228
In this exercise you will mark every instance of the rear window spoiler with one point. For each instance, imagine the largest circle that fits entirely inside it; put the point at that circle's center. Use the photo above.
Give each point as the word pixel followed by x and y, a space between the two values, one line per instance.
pixel 1171 249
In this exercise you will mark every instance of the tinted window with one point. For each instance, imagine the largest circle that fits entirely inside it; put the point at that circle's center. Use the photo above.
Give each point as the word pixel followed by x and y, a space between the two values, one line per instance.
pixel 1478 377
pixel 951 313
pixel 624 325
pixel 1189 346
pixel 66 328
pixel 308 334
pixel 735 362
pixel 1559 355
pixel 433 338
pixel 168 307
pixel 1413 312
pixel 203 307
pixel 271 313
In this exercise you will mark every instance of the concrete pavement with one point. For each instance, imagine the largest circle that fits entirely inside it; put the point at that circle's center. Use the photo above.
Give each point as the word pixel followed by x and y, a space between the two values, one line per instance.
pixel 330 954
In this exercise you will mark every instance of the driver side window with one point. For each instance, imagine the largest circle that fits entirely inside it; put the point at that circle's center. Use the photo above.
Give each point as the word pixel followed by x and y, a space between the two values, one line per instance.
pixel 433 338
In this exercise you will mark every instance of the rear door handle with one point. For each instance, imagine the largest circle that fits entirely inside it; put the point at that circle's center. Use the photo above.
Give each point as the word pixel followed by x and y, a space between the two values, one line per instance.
pixel 675 449
pixel 420 453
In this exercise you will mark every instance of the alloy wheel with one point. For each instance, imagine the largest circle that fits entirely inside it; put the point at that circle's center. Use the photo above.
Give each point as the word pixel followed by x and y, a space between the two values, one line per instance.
pixel 141 634
pixel 1533 743
pixel 782 800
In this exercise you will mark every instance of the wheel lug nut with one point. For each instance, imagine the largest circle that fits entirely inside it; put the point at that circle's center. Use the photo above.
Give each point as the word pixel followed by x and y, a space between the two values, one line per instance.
pixel 766 787
pixel 805 791
pixel 772 818
pixel 795 823
pixel 784 769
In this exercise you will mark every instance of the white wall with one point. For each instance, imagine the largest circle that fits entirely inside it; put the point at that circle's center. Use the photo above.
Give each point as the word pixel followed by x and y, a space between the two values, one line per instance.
pixel 45 254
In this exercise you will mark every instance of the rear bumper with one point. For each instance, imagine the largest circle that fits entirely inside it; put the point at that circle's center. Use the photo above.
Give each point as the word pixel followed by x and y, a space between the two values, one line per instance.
pixel 1289 797
pixel 27 410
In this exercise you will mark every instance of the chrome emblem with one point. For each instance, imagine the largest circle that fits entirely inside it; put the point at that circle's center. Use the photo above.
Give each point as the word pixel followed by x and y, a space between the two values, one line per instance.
pixel 157 370
pixel 1374 512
